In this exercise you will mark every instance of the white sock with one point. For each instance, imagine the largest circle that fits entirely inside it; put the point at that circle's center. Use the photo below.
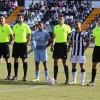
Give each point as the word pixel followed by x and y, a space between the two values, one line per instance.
pixel 74 74
pixel 83 76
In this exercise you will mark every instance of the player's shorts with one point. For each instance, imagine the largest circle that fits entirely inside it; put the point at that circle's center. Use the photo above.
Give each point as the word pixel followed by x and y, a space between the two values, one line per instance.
pixel 77 59
pixel 33 45
pixel 4 50
pixel 60 51
pixel 96 54
pixel 40 55
pixel 19 50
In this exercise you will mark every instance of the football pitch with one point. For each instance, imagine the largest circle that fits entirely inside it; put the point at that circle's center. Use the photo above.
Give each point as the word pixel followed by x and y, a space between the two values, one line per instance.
pixel 19 90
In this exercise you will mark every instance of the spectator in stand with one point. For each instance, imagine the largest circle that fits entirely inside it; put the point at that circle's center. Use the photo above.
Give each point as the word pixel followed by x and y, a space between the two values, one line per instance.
pixel 36 7
pixel 48 13
pixel 54 22
pixel 54 3
pixel 81 16
pixel 9 4
pixel 81 8
pixel 45 2
pixel 78 1
pixel 56 8
pixel 32 4
pixel 71 5
pixel 51 4
pixel 27 15
pixel 15 3
pixel 12 1
pixel 56 14
pixel 1 5
pixel 6 7
pixel 90 26
pixel 41 3
pixel 64 4
pixel 59 3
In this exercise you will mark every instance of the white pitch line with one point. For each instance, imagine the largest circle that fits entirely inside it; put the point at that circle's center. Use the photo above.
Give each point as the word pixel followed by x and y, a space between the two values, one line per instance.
pixel 30 88
pixel 20 89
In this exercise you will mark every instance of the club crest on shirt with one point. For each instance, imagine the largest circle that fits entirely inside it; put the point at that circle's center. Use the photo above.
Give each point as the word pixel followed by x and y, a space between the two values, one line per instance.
pixel 3 31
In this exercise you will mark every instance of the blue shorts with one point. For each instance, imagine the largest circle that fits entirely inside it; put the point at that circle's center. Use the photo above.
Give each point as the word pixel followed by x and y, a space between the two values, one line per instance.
pixel 33 45
pixel 40 55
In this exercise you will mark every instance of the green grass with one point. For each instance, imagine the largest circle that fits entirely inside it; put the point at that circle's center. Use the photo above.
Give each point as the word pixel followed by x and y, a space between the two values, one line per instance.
pixel 10 90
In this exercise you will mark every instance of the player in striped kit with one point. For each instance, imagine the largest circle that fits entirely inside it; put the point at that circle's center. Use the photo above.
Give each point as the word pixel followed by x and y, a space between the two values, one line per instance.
pixel 79 42
pixel 32 42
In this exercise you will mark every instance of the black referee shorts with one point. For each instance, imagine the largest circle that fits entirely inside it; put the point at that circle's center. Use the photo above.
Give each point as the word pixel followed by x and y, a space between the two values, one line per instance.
pixel 60 51
pixel 19 50
pixel 96 54
pixel 4 50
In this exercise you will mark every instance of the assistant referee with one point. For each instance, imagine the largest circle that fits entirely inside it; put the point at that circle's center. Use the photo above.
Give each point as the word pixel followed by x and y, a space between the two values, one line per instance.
pixel 59 46
pixel 5 39
pixel 21 38
pixel 96 52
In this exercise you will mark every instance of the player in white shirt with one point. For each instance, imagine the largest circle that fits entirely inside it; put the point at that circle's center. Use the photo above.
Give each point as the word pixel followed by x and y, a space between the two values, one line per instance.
pixel 79 42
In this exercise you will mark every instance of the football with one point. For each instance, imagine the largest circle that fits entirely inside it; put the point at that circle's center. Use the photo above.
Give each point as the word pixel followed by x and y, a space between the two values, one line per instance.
pixel 50 81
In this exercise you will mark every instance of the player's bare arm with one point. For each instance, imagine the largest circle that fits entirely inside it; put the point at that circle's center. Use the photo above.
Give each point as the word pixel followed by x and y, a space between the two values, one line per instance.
pixel 49 42
pixel 93 39
pixel 53 42
pixel 86 39
pixel 70 43
pixel 11 38
pixel 28 38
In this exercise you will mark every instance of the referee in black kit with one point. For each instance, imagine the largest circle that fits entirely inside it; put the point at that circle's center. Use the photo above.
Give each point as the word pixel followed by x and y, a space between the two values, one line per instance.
pixel 6 36
pixel 59 47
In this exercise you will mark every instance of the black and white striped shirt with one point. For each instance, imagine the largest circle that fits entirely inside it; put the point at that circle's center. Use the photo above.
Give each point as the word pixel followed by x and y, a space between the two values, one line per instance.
pixel 78 43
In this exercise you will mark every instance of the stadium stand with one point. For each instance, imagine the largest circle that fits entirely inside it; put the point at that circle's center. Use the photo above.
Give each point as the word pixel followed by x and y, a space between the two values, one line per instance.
pixel 7 7
pixel 49 14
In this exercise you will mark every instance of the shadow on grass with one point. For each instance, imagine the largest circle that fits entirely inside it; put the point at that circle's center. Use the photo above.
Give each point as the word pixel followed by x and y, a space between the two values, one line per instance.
pixel 20 82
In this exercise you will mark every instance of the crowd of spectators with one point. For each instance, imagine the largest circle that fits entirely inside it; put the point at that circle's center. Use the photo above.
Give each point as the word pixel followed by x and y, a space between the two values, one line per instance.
pixel 4 6
pixel 92 25
pixel 7 6
pixel 48 12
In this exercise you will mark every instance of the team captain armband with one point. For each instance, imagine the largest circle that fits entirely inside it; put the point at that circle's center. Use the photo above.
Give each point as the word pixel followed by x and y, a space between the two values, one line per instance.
pixel 85 35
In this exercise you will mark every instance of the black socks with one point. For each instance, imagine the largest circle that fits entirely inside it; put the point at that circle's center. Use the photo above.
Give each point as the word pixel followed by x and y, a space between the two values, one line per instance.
pixel 93 75
pixel 9 68
pixel 25 66
pixel 66 73
pixel 16 69
pixel 55 72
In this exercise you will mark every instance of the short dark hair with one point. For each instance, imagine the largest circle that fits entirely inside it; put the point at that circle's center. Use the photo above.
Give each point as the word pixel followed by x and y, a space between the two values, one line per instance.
pixel 21 15
pixel 40 22
pixel 34 25
pixel 61 15
pixel 2 15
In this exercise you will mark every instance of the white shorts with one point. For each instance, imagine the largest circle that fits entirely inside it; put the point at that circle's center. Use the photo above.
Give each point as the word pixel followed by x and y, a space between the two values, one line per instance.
pixel 77 59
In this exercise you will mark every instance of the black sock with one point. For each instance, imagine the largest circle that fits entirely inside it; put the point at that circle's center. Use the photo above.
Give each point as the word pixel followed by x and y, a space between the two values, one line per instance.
pixel 55 72
pixel 16 69
pixel 82 70
pixel 93 75
pixel 74 70
pixel 25 66
pixel 66 73
pixel 9 68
